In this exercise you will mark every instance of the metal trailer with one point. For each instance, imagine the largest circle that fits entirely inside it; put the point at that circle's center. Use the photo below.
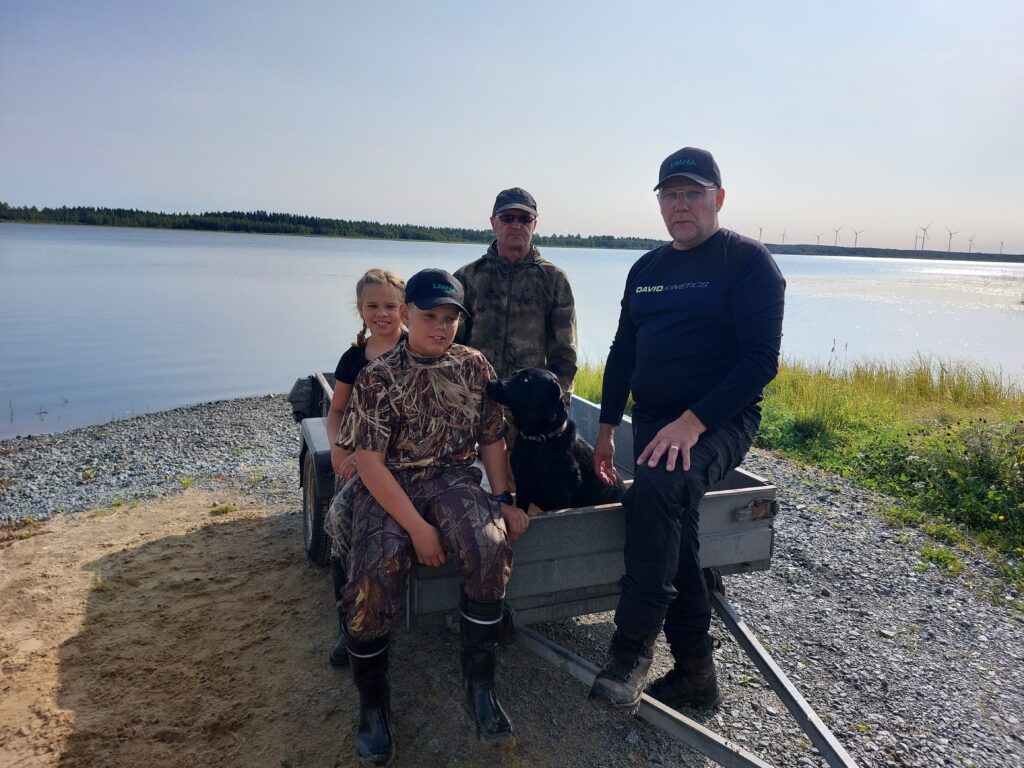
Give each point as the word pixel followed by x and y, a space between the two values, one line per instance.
pixel 568 563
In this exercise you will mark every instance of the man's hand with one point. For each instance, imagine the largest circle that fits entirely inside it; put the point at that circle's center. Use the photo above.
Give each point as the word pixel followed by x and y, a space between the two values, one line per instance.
pixel 427 543
pixel 674 439
pixel 604 454
pixel 515 519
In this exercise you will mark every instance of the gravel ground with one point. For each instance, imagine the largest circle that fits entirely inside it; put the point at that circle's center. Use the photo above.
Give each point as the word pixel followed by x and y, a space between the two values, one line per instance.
pixel 907 666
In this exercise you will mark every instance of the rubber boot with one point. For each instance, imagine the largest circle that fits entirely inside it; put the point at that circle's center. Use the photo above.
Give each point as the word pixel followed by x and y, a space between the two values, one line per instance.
pixel 480 625
pixel 691 683
pixel 375 744
pixel 339 654
pixel 621 682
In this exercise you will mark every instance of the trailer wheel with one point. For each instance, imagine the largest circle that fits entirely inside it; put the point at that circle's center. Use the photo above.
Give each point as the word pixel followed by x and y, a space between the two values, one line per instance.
pixel 314 514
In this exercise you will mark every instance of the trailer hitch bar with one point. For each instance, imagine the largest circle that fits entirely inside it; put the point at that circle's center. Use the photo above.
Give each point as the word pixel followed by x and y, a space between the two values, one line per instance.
pixel 723 751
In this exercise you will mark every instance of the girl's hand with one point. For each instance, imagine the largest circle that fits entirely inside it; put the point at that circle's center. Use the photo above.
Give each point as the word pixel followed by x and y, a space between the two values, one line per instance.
pixel 427 543
pixel 339 457
pixel 349 468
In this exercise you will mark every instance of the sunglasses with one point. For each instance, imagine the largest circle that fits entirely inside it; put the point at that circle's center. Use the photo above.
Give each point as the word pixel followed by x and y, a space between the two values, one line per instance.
pixel 522 218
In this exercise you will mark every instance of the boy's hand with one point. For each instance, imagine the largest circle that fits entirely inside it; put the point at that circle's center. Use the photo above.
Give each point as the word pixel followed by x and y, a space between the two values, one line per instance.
pixel 427 543
pixel 515 519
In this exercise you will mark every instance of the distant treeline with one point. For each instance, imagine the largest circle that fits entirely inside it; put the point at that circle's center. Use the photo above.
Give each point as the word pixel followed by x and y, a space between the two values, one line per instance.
pixel 261 222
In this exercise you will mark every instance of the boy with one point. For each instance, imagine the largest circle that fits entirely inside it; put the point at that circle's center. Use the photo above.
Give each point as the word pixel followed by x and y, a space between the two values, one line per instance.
pixel 416 415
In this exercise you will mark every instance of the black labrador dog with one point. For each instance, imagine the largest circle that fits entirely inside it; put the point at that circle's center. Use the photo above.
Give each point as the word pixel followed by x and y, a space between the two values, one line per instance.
pixel 552 464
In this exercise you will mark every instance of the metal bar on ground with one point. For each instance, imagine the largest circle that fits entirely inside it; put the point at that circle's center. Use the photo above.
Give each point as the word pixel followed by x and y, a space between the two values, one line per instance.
pixel 822 738
pixel 705 741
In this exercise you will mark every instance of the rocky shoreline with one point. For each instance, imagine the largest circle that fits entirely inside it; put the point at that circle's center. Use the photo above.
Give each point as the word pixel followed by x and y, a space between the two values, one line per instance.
pixel 907 666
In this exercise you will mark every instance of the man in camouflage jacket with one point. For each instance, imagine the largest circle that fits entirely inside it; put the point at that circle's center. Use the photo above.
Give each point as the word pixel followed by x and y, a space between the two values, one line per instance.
pixel 521 307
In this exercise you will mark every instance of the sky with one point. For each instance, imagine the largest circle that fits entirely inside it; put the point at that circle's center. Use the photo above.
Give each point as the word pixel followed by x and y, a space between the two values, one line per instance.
pixel 874 117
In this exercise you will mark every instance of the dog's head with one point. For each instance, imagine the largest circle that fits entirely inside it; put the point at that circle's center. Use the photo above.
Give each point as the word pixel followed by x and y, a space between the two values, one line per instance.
pixel 534 397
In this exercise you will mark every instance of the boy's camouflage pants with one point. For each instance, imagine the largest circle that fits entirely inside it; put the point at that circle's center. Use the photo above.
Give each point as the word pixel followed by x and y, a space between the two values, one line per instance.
pixel 381 555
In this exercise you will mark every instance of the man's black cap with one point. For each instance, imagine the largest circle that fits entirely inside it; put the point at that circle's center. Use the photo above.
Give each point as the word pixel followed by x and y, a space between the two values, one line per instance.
pixel 517 197
pixel 695 164
pixel 431 288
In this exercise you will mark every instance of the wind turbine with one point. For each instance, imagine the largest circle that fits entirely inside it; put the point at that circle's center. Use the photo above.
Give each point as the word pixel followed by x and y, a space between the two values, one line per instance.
pixel 970 243
pixel 856 234
pixel 837 234
pixel 819 238
pixel 759 231
pixel 924 233
pixel 951 233
pixel 1001 247
pixel 783 235
pixel 916 238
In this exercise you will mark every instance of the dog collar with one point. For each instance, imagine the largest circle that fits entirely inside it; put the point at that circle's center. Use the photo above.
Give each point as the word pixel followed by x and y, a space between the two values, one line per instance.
pixel 548 436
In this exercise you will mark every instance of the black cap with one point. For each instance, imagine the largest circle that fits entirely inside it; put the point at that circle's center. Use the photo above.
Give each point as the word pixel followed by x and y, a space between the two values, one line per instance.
pixel 695 164
pixel 431 288
pixel 517 197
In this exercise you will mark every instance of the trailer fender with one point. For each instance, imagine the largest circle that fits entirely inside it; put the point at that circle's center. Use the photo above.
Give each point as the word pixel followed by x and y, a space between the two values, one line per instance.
pixel 315 443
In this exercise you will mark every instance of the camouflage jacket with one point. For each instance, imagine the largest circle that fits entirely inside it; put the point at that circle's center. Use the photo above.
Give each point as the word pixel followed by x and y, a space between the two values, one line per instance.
pixel 522 315
pixel 423 412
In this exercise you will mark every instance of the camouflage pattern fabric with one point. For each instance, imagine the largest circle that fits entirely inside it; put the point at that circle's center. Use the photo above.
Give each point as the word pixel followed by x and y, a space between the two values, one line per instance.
pixel 472 533
pixel 338 523
pixel 423 412
pixel 523 315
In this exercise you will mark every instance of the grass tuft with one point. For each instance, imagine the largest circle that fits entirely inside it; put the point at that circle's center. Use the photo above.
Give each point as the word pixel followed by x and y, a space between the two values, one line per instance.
pixel 221 509
pixel 186 481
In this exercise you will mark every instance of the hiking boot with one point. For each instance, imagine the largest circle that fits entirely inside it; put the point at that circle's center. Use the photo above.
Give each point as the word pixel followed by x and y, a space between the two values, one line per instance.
pixel 339 654
pixel 480 626
pixel 620 683
pixel 691 683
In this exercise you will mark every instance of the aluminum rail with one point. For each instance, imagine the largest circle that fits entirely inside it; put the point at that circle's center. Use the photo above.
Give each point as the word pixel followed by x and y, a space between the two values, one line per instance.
pixel 705 741
pixel 822 738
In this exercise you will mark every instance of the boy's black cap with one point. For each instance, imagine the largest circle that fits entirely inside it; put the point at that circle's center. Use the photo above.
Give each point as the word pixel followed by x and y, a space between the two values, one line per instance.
pixel 695 164
pixel 431 288
pixel 517 197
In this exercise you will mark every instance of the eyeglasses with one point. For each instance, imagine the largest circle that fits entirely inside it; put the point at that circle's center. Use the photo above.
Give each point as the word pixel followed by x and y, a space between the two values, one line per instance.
pixel 522 218
pixel 690 196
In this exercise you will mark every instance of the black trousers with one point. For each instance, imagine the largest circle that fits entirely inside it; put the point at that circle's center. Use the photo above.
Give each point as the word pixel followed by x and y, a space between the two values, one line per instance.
pixel 663 586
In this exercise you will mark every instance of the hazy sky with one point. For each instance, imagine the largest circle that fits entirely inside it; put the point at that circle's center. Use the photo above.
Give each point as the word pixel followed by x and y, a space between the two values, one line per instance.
pixel 875 116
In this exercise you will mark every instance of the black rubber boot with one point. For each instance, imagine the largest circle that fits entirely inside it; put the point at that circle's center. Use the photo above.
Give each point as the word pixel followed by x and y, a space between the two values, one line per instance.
pixel 339 654
pixel 480 625
pixel 375 744
pixel 691 683
pixel 621 682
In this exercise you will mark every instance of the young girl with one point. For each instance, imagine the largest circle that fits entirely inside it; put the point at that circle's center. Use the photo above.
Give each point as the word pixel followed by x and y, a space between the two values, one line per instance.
pixel 379 294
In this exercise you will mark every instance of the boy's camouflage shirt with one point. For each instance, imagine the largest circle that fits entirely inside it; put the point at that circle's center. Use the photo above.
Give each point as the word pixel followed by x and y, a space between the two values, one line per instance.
pixel 423 412
pixel 522 315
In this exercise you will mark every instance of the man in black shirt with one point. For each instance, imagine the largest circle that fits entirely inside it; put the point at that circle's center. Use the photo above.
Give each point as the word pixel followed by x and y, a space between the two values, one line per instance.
pixel 698 339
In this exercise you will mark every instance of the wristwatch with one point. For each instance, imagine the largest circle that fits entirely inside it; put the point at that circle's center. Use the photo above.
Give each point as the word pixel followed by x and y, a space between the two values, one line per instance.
pixel 502 498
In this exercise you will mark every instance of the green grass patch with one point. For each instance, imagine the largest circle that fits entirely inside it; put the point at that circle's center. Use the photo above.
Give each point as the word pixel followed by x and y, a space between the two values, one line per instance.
pixel 943 558
pixel 186 482
pixel 945 440
pixel 221 509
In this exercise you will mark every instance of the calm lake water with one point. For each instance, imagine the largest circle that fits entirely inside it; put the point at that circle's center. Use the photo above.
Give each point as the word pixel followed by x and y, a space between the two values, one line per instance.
pixel 103 323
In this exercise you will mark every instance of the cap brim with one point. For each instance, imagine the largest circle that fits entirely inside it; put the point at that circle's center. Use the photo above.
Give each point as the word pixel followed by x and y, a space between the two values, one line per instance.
pixel 434 303
pixel 515 206
pixel 690 176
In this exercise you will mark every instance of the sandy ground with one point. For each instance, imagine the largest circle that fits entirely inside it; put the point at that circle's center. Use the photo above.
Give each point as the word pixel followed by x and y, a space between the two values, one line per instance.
pixel 166 634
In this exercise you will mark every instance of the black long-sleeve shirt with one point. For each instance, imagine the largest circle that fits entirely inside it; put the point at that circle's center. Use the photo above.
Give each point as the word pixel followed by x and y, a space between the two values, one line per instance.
pixel 699 330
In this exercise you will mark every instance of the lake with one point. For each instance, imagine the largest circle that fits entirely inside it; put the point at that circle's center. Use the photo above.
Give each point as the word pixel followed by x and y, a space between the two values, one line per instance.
pixel 101 323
